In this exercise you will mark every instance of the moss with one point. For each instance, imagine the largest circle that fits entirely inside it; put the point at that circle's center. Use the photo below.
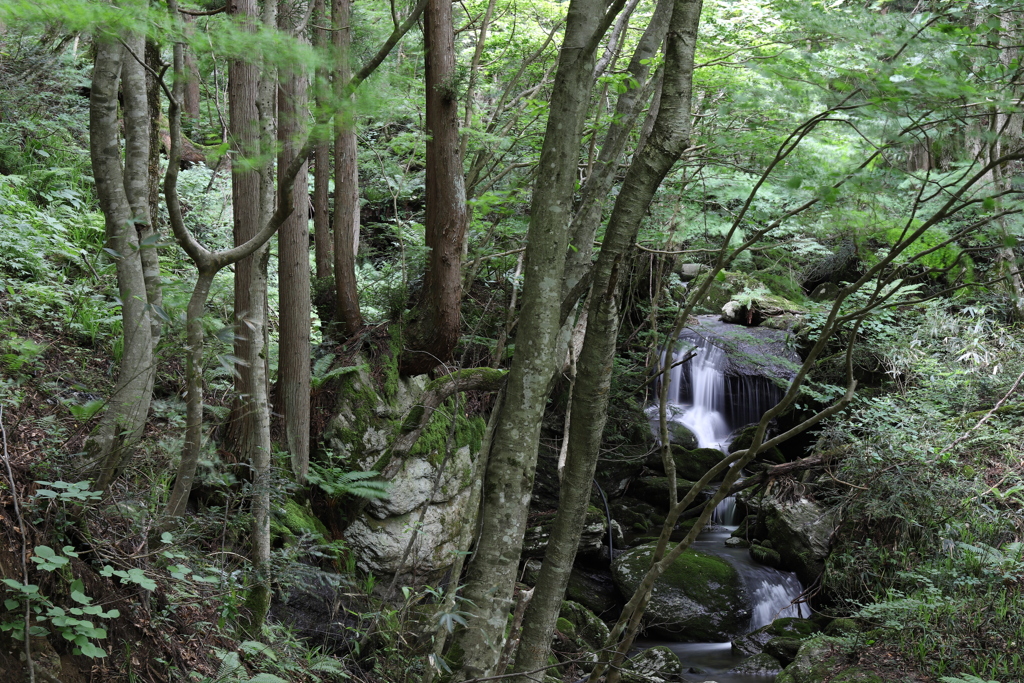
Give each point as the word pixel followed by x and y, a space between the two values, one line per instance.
pixel 707 568
pixel 949 256
pixel 566 627
pixel 300 520
pixel 389 362
pixel 469 431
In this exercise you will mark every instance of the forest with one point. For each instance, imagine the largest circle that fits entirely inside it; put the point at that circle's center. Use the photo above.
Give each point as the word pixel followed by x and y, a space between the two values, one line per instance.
pixel 539 341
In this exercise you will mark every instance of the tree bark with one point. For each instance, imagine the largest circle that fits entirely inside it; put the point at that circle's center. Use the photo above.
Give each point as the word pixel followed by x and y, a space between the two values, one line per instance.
pixel 125 418
pixel 511 466
pixel 251 104
pixel 322 240
pixel 346 179
pixel 431 338
pixel 293 383
pixel 190 97
pixel 599 183
pixel 594 372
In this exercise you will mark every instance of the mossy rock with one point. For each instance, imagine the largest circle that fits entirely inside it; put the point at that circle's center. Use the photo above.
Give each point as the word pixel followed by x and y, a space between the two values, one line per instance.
pixel 587 628
pixel 772 456
pixel 725 287
pixel 793 628
pixel 654 665
pixel 680 435
pixel 691 463
pixel 765 556
pixel 654 490
pixel 759 665
pixel 842 627
pixel 783 649
pixel 856 675
pixel 298 521
pixel 566 628
pixel 698 598
pixel 814 661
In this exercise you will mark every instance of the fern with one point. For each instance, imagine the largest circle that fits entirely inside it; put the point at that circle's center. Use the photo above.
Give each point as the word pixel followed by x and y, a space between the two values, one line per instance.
pixel 336 482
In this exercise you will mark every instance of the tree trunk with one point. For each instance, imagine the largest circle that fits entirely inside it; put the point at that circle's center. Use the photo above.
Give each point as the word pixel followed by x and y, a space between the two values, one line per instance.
pixel 511 466
pixel 293 375
pixel 149 236
pixel 190 97
pixel 322 239
pixel 346 179
pixel 431 339
pixel 251 104
pixel 600 180
pixel 593 380
pixel 128 406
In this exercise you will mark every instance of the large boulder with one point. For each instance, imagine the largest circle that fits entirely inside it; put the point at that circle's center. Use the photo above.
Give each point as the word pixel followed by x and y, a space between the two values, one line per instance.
pixel 360 433
pixel 313 603
pixel 654 490
pixel 800 531
pixel 691 464
pixel 699 598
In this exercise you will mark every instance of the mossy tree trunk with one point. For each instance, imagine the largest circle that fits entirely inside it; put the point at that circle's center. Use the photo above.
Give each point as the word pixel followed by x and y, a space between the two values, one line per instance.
pixel 669 139
pixel 510 470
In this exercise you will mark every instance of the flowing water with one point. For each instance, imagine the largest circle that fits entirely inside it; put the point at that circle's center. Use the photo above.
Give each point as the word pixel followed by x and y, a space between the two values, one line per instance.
pixel 713 403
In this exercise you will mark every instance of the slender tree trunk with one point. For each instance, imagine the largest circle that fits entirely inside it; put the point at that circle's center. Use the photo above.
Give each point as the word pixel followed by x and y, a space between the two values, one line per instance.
pixel 251 104
pixel 599 182
pixel 346 179
pixel 322 240
pixel 431 339
pixel 511 466
pixel 128 406
pixel 190 98
pixel 150 254
pixel 293 375
pixel 670 137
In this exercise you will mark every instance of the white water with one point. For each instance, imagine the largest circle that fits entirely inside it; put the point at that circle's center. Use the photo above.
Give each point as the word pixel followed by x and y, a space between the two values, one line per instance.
pixel 712 405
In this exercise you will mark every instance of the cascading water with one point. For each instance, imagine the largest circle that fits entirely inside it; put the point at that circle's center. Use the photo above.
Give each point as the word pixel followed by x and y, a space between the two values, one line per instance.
pixel 708 396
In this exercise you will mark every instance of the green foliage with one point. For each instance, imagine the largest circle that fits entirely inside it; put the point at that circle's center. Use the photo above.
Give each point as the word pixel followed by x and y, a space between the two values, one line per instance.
pixel 74 624
pixel 336 482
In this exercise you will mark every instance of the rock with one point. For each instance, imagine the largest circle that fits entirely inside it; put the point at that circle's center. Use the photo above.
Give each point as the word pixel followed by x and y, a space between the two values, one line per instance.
pixel 380 543
pixel 654 665
pixel 699 598
pixel 735 542
pixel 783 649
pixel 586 626
pixel 312 603
pixel 412 485
pixel 743 439
pixel 592 541
pixel 690 271
pixel 759 665
pixel 842 627
pixel 814 661
pixel 787 627
pixel 691 463
pixel 654 490
pixel 801 531
pixel 680 435
pixel 752 351
pixel 765 555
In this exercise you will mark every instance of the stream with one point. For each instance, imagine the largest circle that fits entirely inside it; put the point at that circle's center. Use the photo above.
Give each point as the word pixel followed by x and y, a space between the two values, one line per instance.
pixel 713 403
